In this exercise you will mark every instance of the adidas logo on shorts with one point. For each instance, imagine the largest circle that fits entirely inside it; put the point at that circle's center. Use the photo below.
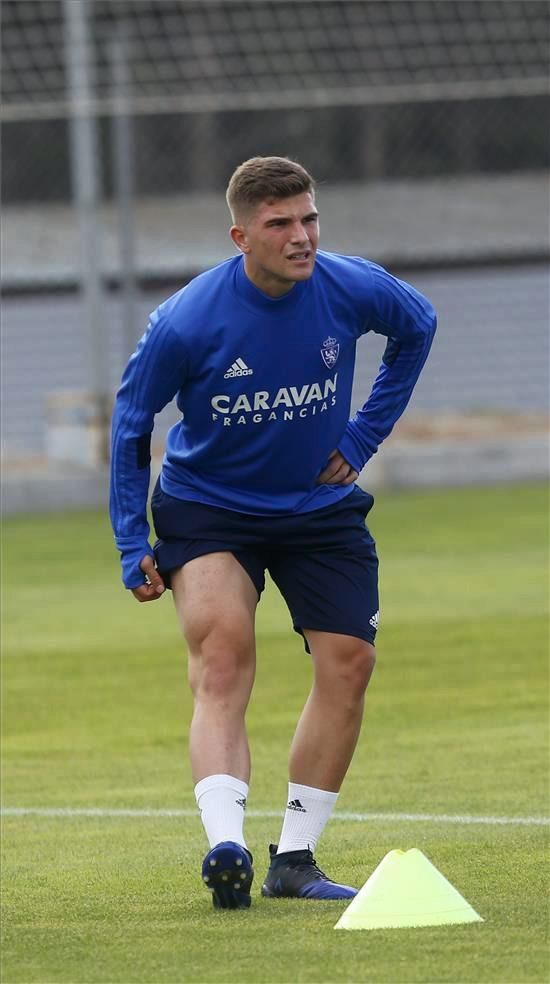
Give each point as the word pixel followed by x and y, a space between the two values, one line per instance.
pixel 374 620
pixel 239 368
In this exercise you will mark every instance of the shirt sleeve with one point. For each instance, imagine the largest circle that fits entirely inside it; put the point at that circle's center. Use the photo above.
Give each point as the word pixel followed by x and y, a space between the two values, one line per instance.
pixel 151 379
pixel 408 321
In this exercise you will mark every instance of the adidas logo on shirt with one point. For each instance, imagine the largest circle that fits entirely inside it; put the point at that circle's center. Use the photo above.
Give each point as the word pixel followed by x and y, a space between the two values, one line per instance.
pixel 239 368
pixel 296 806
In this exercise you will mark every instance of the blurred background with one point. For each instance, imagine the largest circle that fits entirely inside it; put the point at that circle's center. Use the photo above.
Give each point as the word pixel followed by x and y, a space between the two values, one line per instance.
pixel 425 123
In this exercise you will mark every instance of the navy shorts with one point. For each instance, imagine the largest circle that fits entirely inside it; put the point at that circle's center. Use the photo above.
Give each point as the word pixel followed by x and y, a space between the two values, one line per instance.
pixel 323 562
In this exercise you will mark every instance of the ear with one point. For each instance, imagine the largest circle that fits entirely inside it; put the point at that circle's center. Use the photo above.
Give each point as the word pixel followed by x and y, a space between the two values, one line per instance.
pixel 239 237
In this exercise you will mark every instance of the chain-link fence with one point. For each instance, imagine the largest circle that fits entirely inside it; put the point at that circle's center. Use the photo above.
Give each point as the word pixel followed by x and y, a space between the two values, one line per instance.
pixel 367 89
pixel 424 122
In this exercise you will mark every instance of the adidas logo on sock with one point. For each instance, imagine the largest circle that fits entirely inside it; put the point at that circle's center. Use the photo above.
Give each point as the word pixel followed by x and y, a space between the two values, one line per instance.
pixel 297 806
pixel 239 368
pixel 241 802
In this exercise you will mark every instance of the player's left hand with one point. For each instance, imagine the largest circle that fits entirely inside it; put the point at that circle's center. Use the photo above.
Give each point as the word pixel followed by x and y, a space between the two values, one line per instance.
pixel 338 471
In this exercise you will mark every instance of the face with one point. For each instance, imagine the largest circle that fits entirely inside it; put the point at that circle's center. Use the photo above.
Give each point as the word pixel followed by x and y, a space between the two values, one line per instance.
pixel 279 242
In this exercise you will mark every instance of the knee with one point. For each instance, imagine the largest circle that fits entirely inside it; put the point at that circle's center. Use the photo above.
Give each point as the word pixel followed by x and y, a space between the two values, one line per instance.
pixel 362 666
pixel 355 665
pixel 219 678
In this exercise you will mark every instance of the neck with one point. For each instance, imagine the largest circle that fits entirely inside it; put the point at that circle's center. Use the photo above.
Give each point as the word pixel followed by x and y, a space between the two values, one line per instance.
pixel 267 282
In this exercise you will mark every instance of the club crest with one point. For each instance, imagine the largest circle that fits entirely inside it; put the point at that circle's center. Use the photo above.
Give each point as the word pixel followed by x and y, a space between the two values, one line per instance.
pixel 330 350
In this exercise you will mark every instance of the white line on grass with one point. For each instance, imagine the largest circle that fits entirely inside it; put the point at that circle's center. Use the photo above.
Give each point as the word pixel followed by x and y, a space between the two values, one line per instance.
pixel 67 811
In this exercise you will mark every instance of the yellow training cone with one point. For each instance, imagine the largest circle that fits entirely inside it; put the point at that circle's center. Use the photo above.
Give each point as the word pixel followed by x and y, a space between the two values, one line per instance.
pixel 406 890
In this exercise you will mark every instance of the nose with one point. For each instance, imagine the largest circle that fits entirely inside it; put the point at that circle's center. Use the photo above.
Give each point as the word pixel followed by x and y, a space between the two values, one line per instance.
pixel 299 234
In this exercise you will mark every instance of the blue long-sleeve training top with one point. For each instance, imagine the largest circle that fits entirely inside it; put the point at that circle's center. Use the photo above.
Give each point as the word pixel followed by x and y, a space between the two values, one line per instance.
pixel 264 388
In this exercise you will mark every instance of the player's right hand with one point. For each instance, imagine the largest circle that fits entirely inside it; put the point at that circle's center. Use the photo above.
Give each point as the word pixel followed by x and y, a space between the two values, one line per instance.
pixel 154 586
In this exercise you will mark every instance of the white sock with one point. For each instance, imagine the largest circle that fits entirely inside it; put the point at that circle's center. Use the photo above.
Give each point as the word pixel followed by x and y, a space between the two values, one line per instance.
pixel 306 816
pixel 222 802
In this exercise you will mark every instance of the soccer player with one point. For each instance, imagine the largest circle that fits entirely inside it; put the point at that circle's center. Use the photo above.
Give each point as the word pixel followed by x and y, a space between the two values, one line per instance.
pixel 259 474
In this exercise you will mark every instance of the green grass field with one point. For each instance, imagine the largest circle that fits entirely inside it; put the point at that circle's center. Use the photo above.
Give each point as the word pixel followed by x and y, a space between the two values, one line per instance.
pixel 95 717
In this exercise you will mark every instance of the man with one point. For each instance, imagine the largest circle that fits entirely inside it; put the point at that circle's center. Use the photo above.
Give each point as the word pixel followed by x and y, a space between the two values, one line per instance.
pixel 260 474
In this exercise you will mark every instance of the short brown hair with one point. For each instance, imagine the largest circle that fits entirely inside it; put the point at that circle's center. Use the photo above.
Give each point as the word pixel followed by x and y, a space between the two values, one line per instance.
pixel 262 178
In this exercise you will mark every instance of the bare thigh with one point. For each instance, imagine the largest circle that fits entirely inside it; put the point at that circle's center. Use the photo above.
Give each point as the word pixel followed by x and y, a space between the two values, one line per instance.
pixel 216 603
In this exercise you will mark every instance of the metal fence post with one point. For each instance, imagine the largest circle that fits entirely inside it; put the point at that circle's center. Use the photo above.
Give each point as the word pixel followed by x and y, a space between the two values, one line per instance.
pixel 85 155
pixel 123 186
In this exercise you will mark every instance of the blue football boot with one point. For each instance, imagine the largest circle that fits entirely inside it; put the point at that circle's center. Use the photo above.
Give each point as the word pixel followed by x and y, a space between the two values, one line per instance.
pixel 296 875
pixel 227 872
